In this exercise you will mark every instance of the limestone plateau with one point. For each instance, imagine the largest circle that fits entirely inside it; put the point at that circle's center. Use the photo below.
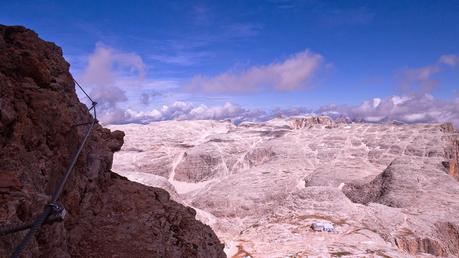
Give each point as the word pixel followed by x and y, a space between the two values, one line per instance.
pixel 389 190
pixel 108 216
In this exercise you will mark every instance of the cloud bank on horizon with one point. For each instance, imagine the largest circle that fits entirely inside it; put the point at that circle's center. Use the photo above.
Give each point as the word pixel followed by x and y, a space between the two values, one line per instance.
pixel 109 73
pixel 408 109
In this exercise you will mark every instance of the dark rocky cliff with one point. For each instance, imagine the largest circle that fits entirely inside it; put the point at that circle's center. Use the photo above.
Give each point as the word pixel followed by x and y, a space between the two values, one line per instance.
pixel 108 216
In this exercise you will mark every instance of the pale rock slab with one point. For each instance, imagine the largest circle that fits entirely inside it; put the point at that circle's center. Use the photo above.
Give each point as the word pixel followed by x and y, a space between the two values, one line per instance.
pixel 390 190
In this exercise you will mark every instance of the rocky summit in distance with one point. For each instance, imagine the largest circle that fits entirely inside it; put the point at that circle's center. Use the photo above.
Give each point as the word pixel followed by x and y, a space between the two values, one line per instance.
pixel 108 216
pixel 307 186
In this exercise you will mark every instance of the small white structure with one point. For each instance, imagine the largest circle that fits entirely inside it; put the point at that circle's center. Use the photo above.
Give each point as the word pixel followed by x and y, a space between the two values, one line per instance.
pixel 323 227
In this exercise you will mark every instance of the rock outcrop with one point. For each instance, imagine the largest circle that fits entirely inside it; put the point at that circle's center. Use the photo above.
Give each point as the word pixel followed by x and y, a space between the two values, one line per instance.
pixel 108 216
pixel 389 190
pixel 302 122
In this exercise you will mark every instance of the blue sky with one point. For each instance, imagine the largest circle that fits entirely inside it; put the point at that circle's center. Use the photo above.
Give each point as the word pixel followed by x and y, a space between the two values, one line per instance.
pixel 252 54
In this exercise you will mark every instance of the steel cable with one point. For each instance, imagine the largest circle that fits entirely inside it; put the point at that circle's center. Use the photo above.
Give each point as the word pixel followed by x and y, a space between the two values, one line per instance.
pixel 52 206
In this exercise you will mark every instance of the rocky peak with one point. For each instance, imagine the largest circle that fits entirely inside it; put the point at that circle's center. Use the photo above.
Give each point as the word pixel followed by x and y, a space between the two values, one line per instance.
pixel 107 215
pixel 309 121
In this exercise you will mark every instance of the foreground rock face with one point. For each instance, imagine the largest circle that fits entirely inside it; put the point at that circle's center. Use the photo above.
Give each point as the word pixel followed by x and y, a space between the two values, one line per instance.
pixel 108 216
pixel 388 190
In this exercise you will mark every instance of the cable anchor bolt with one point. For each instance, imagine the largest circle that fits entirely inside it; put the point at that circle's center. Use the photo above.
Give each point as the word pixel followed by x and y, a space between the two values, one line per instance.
pixel 57 213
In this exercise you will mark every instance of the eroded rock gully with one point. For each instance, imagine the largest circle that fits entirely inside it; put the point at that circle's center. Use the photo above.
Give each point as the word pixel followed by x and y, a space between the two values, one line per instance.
pixel 388 189
pixel 108 216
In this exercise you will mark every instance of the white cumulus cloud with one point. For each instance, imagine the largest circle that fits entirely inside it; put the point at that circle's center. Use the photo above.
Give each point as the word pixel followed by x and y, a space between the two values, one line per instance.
pixel 451 60
pixel 293 73
pixel 107 69
pixel 109 74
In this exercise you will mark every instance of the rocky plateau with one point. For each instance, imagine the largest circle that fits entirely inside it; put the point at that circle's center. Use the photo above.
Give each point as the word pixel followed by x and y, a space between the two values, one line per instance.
pixel 389 190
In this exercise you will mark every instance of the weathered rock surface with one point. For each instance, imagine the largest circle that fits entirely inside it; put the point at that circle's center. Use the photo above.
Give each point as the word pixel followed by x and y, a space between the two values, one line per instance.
pixel 108 216
pixel 389 190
